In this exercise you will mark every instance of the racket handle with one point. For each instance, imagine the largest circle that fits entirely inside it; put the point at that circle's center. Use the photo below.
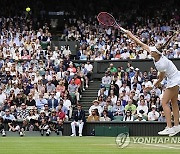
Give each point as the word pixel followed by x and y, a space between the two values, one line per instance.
pixel 125 31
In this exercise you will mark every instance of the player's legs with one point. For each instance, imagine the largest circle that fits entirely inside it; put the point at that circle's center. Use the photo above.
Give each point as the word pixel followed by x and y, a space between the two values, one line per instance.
pixel 167 96
pixel 175 107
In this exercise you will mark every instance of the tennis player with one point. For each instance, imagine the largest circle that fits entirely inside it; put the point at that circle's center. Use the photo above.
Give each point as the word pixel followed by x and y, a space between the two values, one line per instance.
pixel 167 69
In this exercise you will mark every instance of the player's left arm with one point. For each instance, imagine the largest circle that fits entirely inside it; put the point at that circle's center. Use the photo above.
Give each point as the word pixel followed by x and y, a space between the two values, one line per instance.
pixel 160 78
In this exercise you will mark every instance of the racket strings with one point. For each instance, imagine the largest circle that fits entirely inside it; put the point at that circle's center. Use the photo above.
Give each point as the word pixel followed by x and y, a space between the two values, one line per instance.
pixel 106 19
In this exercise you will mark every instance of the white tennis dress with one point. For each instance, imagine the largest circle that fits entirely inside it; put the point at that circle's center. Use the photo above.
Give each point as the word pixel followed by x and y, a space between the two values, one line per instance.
pixel 171 72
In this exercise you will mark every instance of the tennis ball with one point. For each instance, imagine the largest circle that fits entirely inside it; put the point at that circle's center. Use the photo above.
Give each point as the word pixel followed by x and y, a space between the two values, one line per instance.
pixel 28 9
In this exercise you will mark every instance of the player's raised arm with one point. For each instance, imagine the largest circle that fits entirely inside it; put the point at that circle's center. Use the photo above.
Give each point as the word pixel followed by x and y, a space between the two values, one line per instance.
pixel 144 46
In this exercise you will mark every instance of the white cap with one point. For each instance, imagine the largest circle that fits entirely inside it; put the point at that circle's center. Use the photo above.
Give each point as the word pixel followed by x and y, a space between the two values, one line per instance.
pixel 131 67
pixel 137 69
pixel 153 106
pixel 154 49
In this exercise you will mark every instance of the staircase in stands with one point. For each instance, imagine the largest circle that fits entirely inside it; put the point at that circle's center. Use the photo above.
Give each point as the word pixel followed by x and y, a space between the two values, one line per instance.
pixel 89 95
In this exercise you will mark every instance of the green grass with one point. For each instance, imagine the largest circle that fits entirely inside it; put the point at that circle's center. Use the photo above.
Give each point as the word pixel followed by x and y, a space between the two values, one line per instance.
pixel 73 145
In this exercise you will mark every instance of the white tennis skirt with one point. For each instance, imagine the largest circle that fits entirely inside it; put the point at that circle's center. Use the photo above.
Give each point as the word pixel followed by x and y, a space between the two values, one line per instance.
pixel 174 81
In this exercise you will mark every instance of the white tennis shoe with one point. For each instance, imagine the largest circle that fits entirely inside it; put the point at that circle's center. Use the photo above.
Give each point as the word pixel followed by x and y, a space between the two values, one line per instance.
pixel 176 130
pixel 167 131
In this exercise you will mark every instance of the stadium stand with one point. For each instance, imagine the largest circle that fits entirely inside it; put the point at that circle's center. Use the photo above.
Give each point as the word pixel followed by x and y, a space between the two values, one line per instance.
pixel 40 84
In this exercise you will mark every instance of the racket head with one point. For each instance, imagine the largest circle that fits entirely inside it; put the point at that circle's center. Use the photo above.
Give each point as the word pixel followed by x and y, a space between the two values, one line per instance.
pixel 106 19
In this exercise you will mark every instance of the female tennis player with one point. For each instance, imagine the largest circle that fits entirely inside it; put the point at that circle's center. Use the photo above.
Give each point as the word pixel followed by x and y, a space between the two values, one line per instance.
pixel 167 69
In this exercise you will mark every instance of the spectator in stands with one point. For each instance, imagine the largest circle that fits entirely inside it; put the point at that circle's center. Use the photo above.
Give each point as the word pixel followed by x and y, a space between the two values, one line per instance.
pixel 104 116
pixel 162 117
pixel 153 115
pixel 40 102
pixel 50 87
pixel 118 109
pixel 113 69
pixel 140 118
pixel 89 68
pixel 73 90
pixel 128 116
pixel 52 102
pixel 95 106
pixel 142 106
pixel 78 121
pixel 93 116
pixel 30 102
pixel 22 113
pixel 106 80
pixel 130 107
pixel 61 115
pixel 8 117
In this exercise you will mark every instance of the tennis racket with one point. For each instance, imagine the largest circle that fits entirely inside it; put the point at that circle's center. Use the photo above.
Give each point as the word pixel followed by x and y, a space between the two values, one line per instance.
pixel 107 19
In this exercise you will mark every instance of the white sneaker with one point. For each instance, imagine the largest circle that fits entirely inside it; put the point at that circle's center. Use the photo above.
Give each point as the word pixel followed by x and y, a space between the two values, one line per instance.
pixel 176 130
pixel 3 133
pixel 80 135
pixel 166 131
pixel 73 135
pixel 21 133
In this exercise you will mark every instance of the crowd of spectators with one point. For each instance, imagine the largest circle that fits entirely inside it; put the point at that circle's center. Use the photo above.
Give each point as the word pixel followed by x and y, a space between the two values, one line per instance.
pixel 124 96
pixel 98 42
pixel 39 84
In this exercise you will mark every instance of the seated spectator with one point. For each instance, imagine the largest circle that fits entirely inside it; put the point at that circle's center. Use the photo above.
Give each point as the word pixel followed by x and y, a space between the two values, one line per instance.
pixel 89 68
pixel 30 102
pixel 18 100
pixel 53 123
pixel 142 106
pixel 106 80
pixel 52 102
pixel 93 116
pixel 78 120
pixel 84 76
pixel 113 97
pixel 140 118
pixel 60 89
pixel 128 116
pixel 50 87
pixel 95 106
pixel 46 110
pixel 118 109
pixel 105 116
pixel 22 113
pixel 103 92
pixel 162 117
pixel 71 69
pixel 113 69
pixel 130 107
pixel 73 90
pixel 41 102
pixel 8 117
pixel 101 101
pixel 67 104
pixel 31 119
pixel 44 127
pixel 60 114
pixel 153 115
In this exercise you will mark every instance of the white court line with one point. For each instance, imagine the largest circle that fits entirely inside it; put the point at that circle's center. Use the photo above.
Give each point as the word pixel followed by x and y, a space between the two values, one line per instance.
pixel 167 146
